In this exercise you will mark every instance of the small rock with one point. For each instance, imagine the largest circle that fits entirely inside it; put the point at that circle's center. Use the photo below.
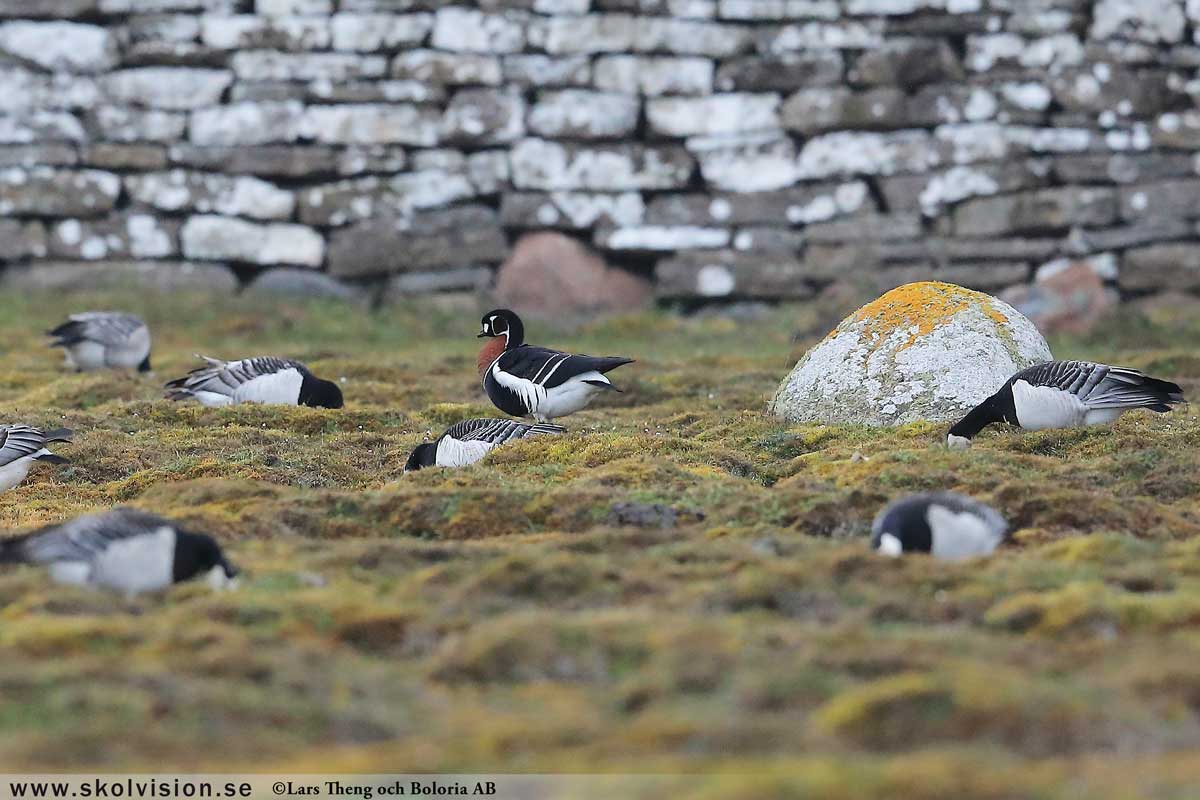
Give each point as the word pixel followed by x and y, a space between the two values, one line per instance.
pixel 291 282
pixel 553 274
pixel 642 515
pixel 1067 296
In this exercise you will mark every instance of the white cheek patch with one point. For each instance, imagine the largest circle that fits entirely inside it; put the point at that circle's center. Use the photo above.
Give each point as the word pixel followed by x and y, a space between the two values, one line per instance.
pixel 218 580
pixel 889 545
pixel 957 442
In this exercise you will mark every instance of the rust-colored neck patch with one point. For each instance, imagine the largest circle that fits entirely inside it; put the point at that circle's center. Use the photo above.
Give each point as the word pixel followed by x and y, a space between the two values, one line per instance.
pixel 489 353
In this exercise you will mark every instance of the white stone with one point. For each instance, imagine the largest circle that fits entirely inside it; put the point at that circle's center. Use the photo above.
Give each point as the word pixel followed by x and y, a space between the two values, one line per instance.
pixel 620 33
pixel 1052 140
pixel 778 9
pixel 716 114
pixel 1153 21
pixel 281 8
pixel 146 239
pixel 974 142
pixel 928 351
pixel 824 35
pixel 1029 96
pixel 578 113
pixel 219 238
pixel 984 52
pixel 172 88
pixel 373 124
pixel 953 185
pixel 40 126
pixel 1103 264
pixel 242 31
pixel 654 75
pixel 137 125
pixel 849 153
pixel 467 30
pixel 664 237
pixel 748 162
pixel 271 65
pixel 543 164
pixel 450 68
pixel 246 123
pixel 367 33
pixel 65 46
pixel 488 171
pixel 233 195
pixel 24 91
pixel 584 210
pixel 715 280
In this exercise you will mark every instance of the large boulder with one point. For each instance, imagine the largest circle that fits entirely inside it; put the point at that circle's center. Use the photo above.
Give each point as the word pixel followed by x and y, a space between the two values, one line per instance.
pixel 924 351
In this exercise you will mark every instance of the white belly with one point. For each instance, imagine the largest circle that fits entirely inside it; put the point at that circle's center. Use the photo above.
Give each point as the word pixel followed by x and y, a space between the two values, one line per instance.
pixel 959 536
pixel 213 399
pixel 14 472
pixel 142 564
pixel 132 352
pixel 86 356
pixel 453 453
pixel 1102 416
pixel 278 387
pixel 1041 407
pixel 569 397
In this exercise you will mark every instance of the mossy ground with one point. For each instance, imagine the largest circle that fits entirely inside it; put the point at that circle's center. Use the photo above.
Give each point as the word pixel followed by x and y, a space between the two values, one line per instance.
pixel 495 617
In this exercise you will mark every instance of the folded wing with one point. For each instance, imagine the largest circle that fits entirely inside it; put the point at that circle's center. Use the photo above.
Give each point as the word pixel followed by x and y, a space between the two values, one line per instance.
pixel 1100 386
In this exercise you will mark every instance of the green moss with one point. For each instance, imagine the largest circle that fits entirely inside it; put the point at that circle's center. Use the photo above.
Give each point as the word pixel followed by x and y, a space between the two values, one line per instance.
pixel 498 617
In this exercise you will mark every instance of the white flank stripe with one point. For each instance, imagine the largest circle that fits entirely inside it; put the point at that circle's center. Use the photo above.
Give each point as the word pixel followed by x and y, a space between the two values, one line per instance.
pixel 278 387
pixel 529 393
pixel 453 453
pixel 549 374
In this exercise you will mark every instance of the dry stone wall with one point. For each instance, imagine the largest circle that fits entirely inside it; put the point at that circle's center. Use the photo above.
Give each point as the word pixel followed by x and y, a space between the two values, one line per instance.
pixel 732 148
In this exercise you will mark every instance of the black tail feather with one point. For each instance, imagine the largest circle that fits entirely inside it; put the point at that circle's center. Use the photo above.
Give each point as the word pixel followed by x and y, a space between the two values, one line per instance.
pixel 607 363
pixel 59 435
pixel 53 458
pixel 603 385
pixel 1170 392
pixel 10 550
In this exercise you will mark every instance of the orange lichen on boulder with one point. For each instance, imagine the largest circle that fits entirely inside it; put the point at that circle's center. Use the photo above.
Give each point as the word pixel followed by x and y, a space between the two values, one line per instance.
pixel 924 305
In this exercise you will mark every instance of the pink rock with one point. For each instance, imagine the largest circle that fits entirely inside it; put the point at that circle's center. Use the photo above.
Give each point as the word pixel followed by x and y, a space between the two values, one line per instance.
pixel 550 275
pixel 1066 296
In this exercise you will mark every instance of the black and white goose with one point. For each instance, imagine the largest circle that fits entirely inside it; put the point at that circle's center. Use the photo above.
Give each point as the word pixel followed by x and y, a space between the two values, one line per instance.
pixel 946 525
pixel 470 440
pixel 104 339
pixel 523 380
pixel 123 549
pixel 1066 394
pixel 21 446
pixel 263 379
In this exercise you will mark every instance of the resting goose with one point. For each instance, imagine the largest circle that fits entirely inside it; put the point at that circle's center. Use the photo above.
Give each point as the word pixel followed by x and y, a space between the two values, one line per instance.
pixel 21 446
pixel 523 380
pixel 470 440
pixel 946 525
pixel 100 339
pixel 264 379
pixel 1066 394
pixel 123 549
